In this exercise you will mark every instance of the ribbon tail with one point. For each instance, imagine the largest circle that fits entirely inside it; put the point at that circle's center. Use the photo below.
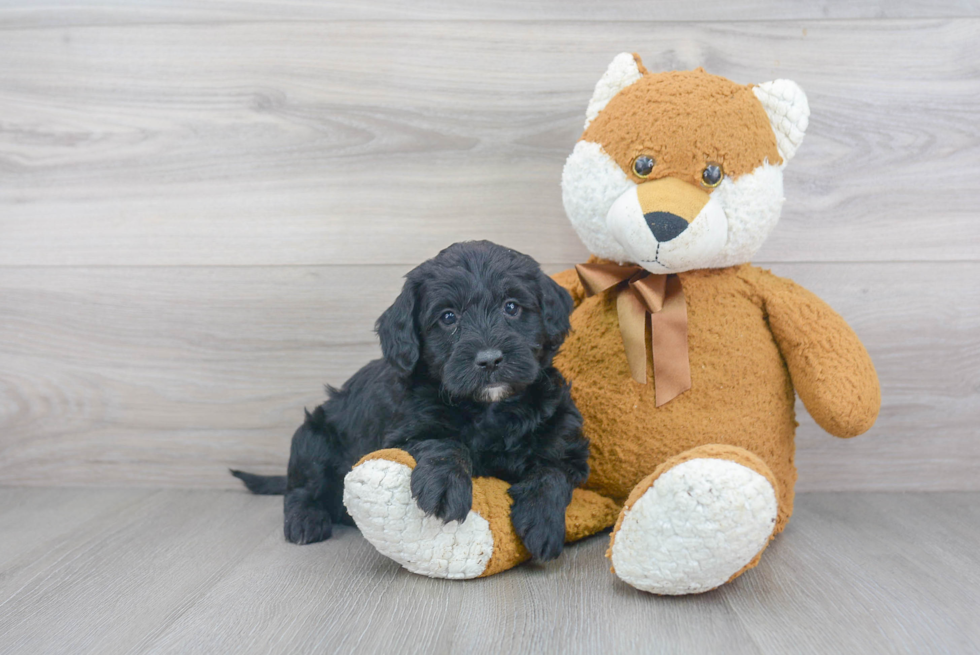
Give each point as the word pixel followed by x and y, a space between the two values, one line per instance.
pixel 671 364
pixel 632 327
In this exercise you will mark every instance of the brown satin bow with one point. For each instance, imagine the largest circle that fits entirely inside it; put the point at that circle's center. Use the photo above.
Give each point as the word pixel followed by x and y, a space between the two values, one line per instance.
pixel 639 293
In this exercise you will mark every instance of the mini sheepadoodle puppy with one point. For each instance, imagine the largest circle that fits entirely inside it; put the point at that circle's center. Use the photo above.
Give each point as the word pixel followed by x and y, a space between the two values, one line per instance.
pixel 467 387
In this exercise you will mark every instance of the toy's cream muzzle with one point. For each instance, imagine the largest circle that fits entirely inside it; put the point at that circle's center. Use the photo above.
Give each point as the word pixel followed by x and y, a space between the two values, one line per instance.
pixel 669 206
pixel 668 225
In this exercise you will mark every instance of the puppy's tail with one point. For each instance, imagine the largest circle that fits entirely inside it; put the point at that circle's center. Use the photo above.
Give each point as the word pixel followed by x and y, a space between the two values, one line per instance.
pixel 265 485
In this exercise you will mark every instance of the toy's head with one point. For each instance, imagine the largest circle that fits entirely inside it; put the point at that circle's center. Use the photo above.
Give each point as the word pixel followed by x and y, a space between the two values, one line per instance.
pixel 682 170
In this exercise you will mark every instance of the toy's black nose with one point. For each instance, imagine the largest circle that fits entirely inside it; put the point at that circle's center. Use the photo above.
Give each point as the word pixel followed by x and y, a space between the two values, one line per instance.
pixel 664 225
pixel 489 359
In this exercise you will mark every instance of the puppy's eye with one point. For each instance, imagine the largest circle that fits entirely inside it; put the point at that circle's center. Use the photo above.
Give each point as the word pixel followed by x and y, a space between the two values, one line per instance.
pixel 448 317
pixel 712 175
pixel 643 165
pixel 511 308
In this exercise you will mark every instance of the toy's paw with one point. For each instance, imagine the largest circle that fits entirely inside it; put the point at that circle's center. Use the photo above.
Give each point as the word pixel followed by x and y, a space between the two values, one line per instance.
pixel 378 496
pixel 699 524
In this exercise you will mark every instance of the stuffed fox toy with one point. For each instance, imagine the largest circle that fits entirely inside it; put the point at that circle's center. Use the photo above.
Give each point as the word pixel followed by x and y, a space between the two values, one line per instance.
pixel 684 359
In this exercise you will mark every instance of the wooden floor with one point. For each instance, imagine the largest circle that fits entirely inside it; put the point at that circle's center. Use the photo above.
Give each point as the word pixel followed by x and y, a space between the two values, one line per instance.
pixel 124 570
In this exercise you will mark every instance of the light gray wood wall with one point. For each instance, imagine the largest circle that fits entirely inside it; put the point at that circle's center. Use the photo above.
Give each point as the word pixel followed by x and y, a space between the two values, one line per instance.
pixel 205 205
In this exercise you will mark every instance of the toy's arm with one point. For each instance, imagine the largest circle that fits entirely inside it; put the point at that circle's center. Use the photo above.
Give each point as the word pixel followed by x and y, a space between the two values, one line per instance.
pixel 828 364
pixel 569 280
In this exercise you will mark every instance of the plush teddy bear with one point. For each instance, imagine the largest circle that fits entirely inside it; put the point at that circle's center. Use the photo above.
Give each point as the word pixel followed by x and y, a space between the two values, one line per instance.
pixel 683 358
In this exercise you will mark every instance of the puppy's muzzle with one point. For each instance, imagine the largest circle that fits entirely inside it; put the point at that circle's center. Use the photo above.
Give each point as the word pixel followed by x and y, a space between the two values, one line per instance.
pixel 669 206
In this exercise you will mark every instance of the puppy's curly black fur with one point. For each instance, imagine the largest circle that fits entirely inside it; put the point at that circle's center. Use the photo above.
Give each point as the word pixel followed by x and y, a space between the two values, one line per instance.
pixel 467 387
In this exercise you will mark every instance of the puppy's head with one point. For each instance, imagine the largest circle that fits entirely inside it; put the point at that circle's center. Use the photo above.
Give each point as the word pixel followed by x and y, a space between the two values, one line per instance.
pixel 480 319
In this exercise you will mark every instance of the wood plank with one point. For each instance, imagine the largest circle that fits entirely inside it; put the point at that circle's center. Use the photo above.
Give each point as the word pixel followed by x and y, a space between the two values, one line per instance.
pixel 861 573
pixel 206 571
pixel 34 519
pixel 921 326
pixel 304 143
pixel 49 13
pixel 114 582
pixel 166 376
pixel 348 598
pixel 131 375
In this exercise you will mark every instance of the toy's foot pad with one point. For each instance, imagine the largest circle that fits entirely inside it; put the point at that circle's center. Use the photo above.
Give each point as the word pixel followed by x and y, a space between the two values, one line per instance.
pixel 378 496
pixel 702 522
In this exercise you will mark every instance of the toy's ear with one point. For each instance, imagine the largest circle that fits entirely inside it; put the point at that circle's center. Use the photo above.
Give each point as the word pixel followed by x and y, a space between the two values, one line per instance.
pixel 397 328
pixel 625 69
pixel 789 113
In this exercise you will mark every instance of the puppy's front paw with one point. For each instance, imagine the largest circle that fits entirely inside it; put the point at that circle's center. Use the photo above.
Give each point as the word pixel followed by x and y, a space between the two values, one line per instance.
pixel 540 527
pixel 442 487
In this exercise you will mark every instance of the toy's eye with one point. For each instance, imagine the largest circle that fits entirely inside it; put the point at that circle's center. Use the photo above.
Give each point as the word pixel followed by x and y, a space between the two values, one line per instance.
pixel 712 175
pixel 511 308
pixel 643 165
pixel 448 317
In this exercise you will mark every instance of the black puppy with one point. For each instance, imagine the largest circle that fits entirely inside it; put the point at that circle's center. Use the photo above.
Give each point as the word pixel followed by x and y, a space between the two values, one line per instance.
pixel 467 387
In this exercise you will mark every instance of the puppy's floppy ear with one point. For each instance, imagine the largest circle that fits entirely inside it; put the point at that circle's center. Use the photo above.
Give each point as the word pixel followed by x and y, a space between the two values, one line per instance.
pixel 398 331
pixel 556 306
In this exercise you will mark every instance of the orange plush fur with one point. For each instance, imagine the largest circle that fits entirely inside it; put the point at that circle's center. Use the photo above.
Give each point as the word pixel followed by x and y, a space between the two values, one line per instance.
pixel 751 335
pixel 753 338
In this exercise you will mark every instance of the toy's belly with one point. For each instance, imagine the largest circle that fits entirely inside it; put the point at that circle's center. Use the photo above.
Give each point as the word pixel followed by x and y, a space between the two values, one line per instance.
pixel 741 393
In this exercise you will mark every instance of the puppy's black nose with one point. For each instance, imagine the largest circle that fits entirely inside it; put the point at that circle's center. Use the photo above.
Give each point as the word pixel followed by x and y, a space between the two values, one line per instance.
pixel 664 225
pixel 489 359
